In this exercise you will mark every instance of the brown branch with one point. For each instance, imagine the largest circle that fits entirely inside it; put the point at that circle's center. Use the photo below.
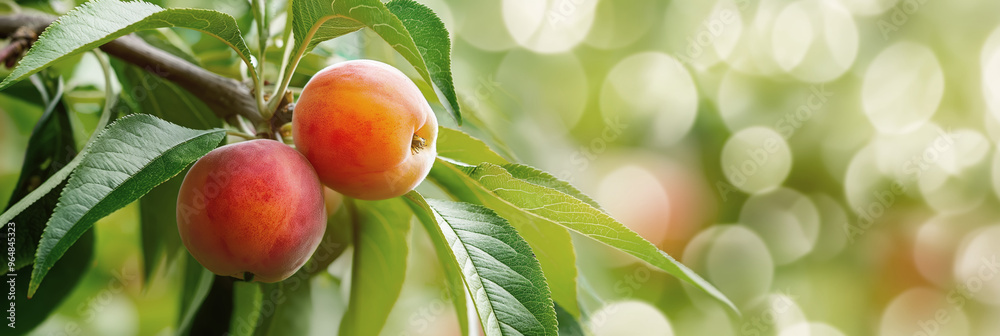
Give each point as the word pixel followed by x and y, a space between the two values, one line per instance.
pixel 225 96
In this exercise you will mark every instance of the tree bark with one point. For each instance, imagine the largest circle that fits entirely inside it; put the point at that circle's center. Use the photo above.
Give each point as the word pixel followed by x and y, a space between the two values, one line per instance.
pixel 225 96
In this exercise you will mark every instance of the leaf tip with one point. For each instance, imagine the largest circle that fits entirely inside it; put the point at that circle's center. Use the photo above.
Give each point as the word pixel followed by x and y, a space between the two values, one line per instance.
pixel 37 274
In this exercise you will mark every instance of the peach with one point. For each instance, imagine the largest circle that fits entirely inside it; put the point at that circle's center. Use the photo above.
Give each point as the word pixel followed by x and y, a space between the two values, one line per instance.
pixel 366 128
pixel 252 210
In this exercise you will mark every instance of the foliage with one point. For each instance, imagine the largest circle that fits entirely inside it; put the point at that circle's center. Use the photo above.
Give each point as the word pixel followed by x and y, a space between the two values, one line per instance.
pixel 503 239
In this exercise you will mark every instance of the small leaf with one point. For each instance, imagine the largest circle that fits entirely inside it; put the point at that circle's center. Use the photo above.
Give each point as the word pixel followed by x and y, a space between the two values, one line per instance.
pixel 552 243
pixel 315 21
pixel 461 146
pixel 434 44
pixel 55 181
pixel 248 301
pixel 97 22
pixel 161 241
pixel 452 271
pixel 144 92
pixel 570 212
pixel 197 283
pixel 499 268
pixel 50 147
pixel 338 236
pixel 568 324
pixel 293 306
pixel 381 234
pixel 128 159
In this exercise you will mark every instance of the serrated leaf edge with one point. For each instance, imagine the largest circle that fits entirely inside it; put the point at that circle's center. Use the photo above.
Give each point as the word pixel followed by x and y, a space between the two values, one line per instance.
pixel 36 277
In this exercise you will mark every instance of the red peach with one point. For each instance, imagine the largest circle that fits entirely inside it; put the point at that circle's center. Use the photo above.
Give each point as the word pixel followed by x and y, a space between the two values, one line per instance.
pixel 251 209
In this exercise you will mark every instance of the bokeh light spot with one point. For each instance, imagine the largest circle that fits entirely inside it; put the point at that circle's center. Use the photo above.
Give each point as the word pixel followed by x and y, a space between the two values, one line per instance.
pixel 652 87
pixel 756 159
pixel 786 220
pixel 902 87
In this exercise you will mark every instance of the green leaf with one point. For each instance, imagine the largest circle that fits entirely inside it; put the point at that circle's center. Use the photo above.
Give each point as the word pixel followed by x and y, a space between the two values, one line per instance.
pixel 169 41
pixel 293 306
pixel 97 22
pixel 338 236
pixel 128 159
pixel 434 44
pixel 568 324
pixel 499 268
pixel 461 146
pixel 248 301
pixel 55 181
pixel 381 231
pixel 552 243
pixel 50 147
pixel 537 177
pixel 570 212
pixel 315 21
pixel 66 274
pixel 452 271
pixel 217 308
pixel 161 241
pixel 144 92
pixel 197 283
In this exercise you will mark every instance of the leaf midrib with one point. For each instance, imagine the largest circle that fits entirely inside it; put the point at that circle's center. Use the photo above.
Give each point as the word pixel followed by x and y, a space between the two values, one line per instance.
pixel 481 187
pixel 489 300
pixel 663 261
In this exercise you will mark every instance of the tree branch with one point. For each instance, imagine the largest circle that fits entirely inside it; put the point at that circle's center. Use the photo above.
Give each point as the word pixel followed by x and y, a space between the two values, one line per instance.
pixel 225 96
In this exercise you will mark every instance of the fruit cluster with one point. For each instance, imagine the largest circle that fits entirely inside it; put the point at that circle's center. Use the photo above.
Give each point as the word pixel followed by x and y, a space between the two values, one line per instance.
pixel 255 210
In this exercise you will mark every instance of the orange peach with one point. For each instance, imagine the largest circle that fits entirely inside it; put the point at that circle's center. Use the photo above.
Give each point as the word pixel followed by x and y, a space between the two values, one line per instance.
pixel 366 128
pixel 252 210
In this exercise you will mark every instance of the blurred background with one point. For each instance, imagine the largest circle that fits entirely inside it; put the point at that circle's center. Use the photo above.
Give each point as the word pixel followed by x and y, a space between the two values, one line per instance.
pixel 828 164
